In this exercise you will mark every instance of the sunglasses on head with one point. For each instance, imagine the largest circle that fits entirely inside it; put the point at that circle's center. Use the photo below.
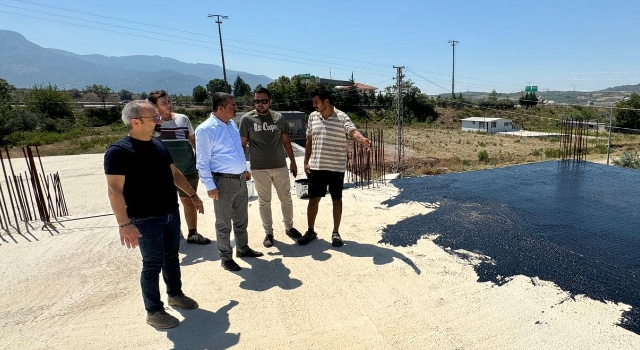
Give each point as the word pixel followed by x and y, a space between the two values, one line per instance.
pixel 264 101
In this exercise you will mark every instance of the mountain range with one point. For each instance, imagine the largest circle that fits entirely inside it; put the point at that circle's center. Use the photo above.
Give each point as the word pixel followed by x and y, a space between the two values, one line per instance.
pixel 23 64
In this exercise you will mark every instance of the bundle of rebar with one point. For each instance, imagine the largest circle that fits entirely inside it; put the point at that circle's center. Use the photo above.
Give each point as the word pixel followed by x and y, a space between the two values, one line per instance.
pixel 34 196
pixel 573 140
pixel 367 167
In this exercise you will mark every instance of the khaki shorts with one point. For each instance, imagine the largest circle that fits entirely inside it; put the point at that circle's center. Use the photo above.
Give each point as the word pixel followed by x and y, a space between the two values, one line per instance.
pixel 193 181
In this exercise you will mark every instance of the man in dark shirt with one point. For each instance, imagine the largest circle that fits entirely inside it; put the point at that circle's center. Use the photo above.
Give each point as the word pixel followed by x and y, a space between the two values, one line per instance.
pixel 267 134
pixel 141 180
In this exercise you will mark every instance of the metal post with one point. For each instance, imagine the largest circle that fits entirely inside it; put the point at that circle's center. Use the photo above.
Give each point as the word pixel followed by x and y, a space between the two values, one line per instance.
pixel 609 138
pixel 224 68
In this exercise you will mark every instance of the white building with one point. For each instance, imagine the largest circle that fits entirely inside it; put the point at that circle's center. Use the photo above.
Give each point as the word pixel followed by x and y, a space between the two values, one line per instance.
pixel 488 125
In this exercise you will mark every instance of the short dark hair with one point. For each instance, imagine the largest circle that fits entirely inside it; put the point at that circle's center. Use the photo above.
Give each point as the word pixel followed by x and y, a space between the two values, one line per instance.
pixel 219 99
pixel 262 90
pixel 155 95
pixel 321 91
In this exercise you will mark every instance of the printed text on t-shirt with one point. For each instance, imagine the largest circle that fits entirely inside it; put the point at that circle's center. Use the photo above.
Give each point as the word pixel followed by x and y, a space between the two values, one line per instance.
pixel 265 127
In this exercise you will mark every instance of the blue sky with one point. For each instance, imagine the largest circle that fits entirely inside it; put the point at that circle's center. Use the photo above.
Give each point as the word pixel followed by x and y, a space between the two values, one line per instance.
pixel 503 45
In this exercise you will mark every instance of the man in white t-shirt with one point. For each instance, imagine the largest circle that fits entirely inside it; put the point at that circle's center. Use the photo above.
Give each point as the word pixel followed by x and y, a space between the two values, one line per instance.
pixel 176 132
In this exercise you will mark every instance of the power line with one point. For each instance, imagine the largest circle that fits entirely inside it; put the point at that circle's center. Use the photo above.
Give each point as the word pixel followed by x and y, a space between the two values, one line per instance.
pixel 325 64
pixel 164 35
pixel 279 58
pixel 194 33
pixel 427 79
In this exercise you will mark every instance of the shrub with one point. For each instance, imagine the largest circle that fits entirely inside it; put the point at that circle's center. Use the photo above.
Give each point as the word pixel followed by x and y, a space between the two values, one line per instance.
pixel 50 102
pixel 552 153
pixel 600 149
pixel 628 159
pixel 196 115
pixel 100 116
pixel 23 120
pixel 483 156
pixel 55 125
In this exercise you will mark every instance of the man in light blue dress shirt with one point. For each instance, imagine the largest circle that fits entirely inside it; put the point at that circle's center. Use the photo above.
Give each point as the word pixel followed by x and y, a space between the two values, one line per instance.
pixel 223 171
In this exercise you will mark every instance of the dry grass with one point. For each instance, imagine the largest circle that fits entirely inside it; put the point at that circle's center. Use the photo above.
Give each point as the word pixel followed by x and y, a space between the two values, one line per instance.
pixel 429 149
pixel 433 150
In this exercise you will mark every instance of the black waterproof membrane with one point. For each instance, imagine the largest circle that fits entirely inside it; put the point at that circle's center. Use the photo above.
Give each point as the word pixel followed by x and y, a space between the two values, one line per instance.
pixel 574 224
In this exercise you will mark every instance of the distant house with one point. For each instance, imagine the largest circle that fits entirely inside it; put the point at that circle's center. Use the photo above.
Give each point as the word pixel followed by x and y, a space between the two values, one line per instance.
pixel 488 125
pixel 362 88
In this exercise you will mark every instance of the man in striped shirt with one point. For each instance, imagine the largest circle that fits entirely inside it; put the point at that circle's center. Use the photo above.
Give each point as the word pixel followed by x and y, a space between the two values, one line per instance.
pixel 325 159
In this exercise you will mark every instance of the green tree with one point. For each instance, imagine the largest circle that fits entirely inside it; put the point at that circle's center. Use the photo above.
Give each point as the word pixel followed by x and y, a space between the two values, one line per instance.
pixel 5 91
pixel 125 95
pixel 281 92
pixel 218 85
pixel 419 106
pixel 199 94
pixel 240 88
pixel 352 97
pixel 6 110
pixel 299 93
pixel 143 95
pixel 50 102
pixel 101 91
pixel 52 106
pixel 493 96
pixel 528 100
pixel 627 115
pixel 180 100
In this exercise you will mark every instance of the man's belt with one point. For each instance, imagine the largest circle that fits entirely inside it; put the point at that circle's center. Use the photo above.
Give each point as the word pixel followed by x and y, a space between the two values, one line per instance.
pixel 229 176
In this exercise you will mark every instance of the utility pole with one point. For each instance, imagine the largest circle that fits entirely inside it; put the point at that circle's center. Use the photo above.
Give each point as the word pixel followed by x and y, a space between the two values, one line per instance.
pixel 224 68
pixel 453 74
pixel 609 138
pixel 399 127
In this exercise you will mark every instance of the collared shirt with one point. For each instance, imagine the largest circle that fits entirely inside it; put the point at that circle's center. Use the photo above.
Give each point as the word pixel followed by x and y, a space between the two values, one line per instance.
pixel 218 150
pixel 329 141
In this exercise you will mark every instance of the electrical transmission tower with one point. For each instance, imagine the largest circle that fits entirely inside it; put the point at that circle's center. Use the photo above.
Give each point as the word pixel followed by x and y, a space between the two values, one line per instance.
pixel 399 128
pixel 453 74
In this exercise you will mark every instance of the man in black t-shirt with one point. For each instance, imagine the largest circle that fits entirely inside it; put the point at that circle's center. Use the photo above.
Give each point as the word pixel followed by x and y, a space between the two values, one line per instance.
pixel 141 180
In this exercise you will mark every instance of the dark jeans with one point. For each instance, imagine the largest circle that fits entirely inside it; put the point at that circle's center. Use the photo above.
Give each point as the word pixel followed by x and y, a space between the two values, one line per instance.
pixel 159 247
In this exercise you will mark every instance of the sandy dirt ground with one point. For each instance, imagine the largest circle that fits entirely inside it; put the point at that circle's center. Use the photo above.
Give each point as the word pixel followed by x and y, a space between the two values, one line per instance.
pixel 72 285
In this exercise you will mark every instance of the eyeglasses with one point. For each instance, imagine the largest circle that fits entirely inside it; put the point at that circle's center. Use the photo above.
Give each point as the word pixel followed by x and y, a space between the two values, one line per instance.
pixel 264 101
pixel 157 118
